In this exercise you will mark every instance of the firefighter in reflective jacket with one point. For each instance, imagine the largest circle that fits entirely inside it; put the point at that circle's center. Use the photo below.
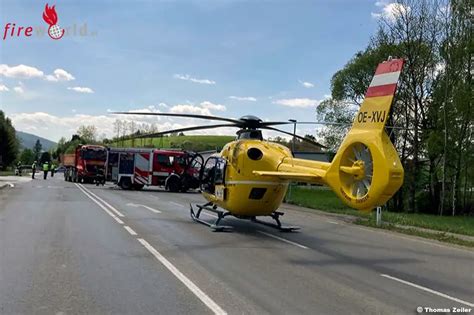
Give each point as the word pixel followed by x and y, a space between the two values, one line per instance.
pixel 45 169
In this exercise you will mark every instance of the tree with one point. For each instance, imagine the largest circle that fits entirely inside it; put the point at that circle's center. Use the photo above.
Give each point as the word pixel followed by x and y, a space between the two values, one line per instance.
pixel 45 157
pixel 37 149
pixel 88 134
pixel 451 138
pixel 27 157
pixel 341 114
pixel 432 105
pixel 9 144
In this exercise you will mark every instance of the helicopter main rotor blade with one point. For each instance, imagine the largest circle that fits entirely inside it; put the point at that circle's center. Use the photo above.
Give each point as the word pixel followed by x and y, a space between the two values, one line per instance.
pixel 157 134
pixel 181 115
pixel 274 123
pixel 296 136
pixel 322 123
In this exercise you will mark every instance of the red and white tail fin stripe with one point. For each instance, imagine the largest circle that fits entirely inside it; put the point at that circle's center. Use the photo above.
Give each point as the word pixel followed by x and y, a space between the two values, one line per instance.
pixel 385 79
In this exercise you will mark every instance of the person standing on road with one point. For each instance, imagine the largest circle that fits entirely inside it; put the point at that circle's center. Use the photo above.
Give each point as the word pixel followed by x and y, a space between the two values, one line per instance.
pixel 33 170
pixel 18 167
pixel 45 169
pixel 52 169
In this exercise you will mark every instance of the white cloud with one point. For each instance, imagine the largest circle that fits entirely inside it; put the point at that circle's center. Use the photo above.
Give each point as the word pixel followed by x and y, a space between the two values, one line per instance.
pixel 189 109
pixel 297 102
pixel 209 105
pixel 20 71
pixel 59 75
pixel 243 98
pixel 4 88
pixel 390 10
pixel 79 89
pixel 306 84
pixel 188 77
pixel 19 89
pixel 54 127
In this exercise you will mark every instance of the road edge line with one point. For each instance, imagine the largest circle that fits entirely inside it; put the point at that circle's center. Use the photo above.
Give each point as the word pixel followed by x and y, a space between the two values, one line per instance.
pixel 427 289
pixel 216 309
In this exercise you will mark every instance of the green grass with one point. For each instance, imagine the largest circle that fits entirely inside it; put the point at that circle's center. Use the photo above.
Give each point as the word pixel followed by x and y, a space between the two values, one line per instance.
pixel 439 236
pixel 324 199
pixel 7 173
pixel 320 198
pixel 459 224
pixel 193 142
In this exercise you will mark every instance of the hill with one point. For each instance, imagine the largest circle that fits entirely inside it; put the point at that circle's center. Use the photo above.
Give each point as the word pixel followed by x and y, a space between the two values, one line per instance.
pixel 195 143
pixel 28 140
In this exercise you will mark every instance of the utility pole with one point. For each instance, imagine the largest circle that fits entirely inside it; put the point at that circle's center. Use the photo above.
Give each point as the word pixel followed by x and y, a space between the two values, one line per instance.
pixel 292 153
pixel 294 134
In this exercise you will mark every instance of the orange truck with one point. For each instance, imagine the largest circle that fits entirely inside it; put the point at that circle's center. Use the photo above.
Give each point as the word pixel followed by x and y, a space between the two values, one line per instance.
pixel 85 164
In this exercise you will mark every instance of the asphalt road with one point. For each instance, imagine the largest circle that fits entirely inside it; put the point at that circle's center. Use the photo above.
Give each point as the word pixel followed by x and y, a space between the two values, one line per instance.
pixel 72 249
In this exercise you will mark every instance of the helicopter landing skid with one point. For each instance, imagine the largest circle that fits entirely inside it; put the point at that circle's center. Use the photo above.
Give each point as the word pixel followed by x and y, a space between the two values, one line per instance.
pixel 276 216
pixel 212 208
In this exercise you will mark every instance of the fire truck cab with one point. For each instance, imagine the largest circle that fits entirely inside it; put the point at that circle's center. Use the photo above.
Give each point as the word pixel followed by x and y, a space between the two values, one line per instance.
pixel 134 168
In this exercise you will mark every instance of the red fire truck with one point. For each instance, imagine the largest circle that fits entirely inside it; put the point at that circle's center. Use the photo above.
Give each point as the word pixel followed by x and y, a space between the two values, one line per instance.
pixel 133 168
pixel 85 163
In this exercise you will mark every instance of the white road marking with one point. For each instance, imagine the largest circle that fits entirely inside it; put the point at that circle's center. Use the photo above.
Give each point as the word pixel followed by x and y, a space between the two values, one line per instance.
pixel 151 209
pixel 428 290
pixel 108 205
pixel 282 239
pixel 176 204
pixel 146 207
pixel 100 205
pixel 185 280
pixel 129 229
pixel 332 222
pixel 118 220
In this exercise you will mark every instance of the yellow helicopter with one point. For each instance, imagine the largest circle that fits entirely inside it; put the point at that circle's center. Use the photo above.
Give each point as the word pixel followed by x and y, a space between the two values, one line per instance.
pixel 250 176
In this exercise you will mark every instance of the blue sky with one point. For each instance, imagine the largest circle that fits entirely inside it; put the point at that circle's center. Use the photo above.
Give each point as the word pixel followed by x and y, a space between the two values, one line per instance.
pixel 273 59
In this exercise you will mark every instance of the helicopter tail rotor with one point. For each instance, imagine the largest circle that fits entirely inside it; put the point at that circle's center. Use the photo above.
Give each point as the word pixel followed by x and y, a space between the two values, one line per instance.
pixel 366 170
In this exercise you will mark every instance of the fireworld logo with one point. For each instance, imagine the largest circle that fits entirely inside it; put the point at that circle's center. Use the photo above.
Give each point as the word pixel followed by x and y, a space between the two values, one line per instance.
pixel 49 16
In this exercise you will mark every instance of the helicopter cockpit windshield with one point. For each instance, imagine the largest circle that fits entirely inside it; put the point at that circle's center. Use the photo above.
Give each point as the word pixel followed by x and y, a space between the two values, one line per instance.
pixel 249 134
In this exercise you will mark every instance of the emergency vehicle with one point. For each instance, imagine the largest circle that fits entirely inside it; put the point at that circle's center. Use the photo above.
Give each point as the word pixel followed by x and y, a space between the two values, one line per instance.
pixel 85 163
pixel 134 168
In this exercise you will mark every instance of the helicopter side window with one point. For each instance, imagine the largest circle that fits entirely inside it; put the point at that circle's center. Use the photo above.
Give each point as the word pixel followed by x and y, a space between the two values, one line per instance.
pixel 208 175
pixel 213 174
pixel 220 172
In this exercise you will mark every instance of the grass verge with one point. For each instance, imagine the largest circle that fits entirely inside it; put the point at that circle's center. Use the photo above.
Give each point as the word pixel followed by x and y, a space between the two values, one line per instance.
pixel 7 173
pixel 324 199
pixel 439 236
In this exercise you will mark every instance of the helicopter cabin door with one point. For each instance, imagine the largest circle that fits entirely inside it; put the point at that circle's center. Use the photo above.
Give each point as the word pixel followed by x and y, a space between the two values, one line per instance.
pixel 213 177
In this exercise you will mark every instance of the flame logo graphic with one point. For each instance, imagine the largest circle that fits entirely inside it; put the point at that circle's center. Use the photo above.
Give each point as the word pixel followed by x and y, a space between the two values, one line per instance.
pixel 51 17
